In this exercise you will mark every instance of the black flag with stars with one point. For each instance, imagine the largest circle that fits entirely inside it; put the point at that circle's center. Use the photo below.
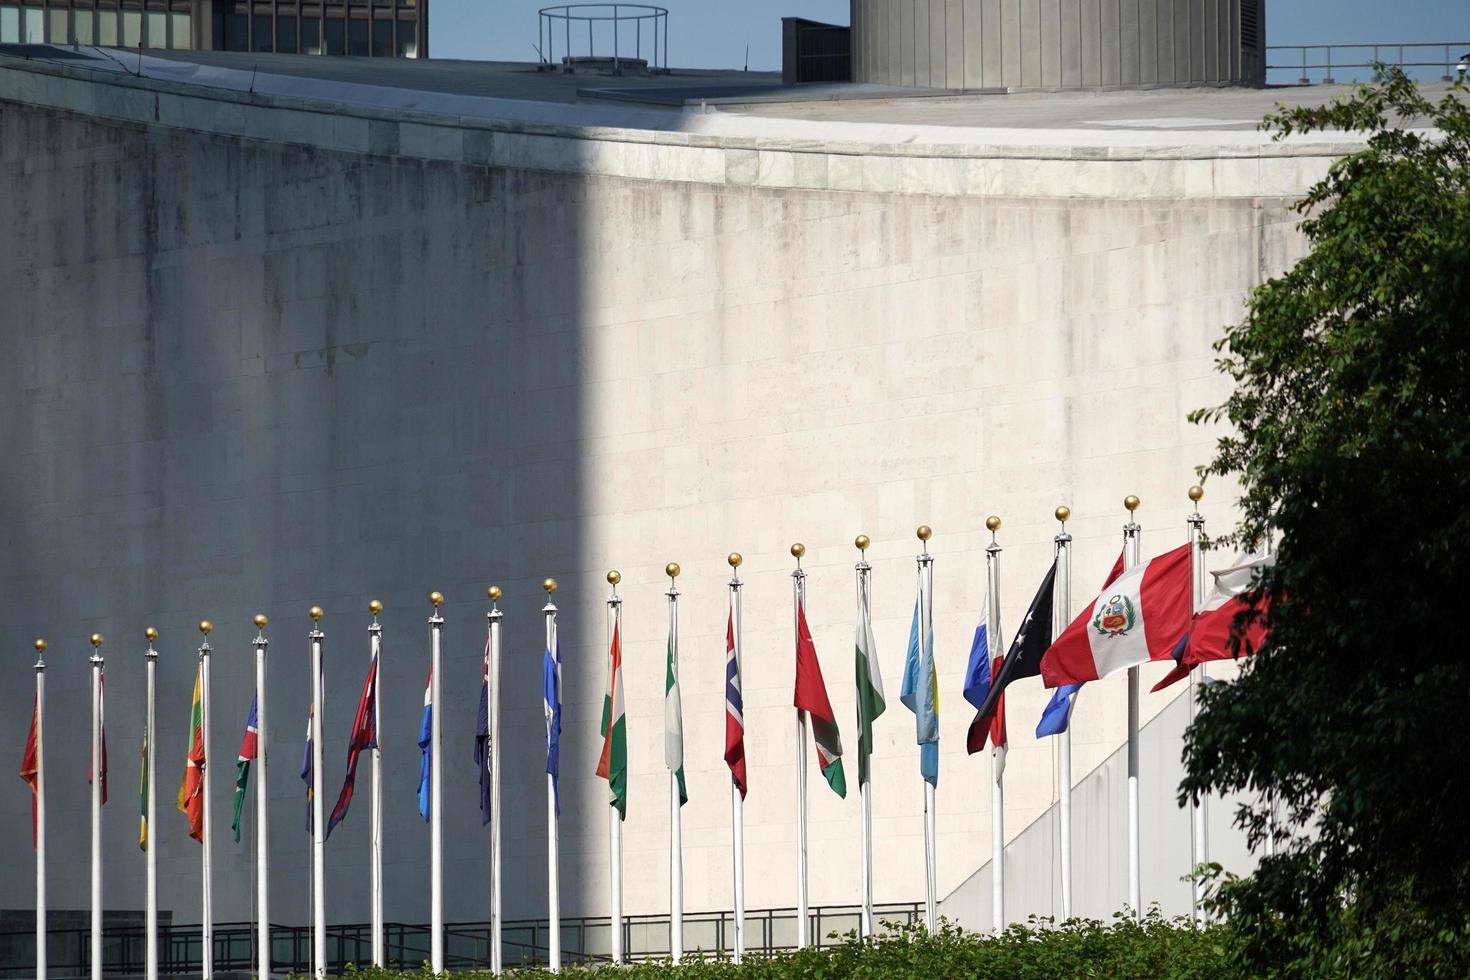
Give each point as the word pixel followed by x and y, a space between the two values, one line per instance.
pixel 1023 659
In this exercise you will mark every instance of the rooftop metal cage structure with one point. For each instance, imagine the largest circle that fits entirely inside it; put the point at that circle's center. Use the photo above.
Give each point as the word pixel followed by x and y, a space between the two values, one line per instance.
pixel 612 22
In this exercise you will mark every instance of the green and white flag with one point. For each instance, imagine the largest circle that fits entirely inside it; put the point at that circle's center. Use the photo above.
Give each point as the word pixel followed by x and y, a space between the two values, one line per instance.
pixel 674 717
pixel 869 688
pixel 613 764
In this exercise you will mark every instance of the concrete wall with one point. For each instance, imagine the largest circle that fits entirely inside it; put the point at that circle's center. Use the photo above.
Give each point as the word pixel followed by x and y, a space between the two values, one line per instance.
pixel 256 372
pixel 1057 44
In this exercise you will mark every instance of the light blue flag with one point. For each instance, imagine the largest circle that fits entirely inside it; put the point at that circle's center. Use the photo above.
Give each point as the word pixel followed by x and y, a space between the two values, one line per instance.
pixel 920 694
pixel 1058 711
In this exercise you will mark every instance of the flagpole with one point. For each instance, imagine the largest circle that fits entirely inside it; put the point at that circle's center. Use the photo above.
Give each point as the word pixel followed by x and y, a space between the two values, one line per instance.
pixel 40 646
pixel 262 798
pixel 931 837
pixel 492 622
pixel 997 767
pixel 737 802
pixel 676 821
pixel 553 882
pixel 798 597
pixel 96 662
pixel 436 788
pixel 1199 829
pixel 614 821
pixel 318 822
pixel 206 897
pixel 150 855
pixel 375 797
pixel 1061 609
pixel 866 788
pixel 1130 558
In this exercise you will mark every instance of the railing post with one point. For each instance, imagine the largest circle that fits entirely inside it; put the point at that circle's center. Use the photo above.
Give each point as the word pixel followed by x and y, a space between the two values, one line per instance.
pixel 1328 79
pixel 1304 79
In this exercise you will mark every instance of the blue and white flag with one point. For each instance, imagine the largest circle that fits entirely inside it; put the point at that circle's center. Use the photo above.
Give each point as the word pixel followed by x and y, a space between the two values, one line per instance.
pixel 920 694
pixel 1058 711
pixel 977 668
pixel 551 699
pixel 306 768
pixel 426 747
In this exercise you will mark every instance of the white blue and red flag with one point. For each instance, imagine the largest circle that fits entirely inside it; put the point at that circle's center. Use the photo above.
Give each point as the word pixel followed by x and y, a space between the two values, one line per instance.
pixel 734 710
pixel 364 736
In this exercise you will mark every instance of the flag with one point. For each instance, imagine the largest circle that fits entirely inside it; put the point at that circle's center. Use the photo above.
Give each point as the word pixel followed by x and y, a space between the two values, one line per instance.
pixel 734 710
pixel 143 793
pixel 674 721
pixel 101 733
pixel 190 800
pixel 482 737
pixel 920 694
pixel 999 742
pixel 1136 619
pixel 551 701
pixel 364 736
pixel 811 697
pixel 612 765
pixel 30 769
pixel 306 771
pixel 1209 632
pixel 1022 660
pixel 1057 714
pixel 249 750
pixel 977 667
pixel 426 748
pixel 870 702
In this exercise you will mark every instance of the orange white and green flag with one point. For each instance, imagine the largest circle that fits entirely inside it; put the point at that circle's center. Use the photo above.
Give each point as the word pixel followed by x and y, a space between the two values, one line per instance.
pixel 612 765
pixel 190 800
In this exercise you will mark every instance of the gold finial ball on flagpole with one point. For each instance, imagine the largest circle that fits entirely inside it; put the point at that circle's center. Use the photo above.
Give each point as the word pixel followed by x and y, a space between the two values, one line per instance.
pixel 672 569
pixel 96 640
pixel 734 559
pixel 315 612
pixel 151 633
pixel 862 541
pixel 206 627
pixel 1196 492
pixel 1131 502
pixel 992 523
pixel 260 621
pixel 798 551
pixel 40 645
pixel 436 599
pixel 1063 513
pixel 494 593
pixel 375 606
pixel 549 585
pixel 924 533
pixel 614 577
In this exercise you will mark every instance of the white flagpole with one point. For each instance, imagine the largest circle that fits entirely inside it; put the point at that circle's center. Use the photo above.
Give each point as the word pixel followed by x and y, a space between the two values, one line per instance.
pixel 262 799
pixel 553 856
pixel 997 763
pixel 676 817
pixel 436 788
pixel 864 571
pixel 492 623
pixel 803 927
pixel 41 810
pixel 96 662
pixel 1135 899
pixel 375 798
pixel 1198 827
pixel 737 803
pixel 318 821
pixel 150 856
pixel 931 832
pixel 614 823
pixel 206 897
pixel 1061 609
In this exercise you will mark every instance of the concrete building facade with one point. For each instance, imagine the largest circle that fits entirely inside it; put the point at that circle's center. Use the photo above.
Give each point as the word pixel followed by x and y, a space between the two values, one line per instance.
pixel 314 343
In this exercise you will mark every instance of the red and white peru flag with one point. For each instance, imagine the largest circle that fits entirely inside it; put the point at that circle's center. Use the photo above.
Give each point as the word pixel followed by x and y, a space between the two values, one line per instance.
pixel 1137 618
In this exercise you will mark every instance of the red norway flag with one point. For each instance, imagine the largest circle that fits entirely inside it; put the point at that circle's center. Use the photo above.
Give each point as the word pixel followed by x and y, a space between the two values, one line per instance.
pixel 1139 617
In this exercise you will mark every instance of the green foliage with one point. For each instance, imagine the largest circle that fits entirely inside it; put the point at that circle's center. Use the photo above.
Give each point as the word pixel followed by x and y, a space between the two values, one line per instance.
pixel 1351 438
pixel 1153 947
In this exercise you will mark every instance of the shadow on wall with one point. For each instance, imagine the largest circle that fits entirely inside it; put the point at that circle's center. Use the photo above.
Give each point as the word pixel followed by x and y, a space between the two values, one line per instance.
pixel 248 377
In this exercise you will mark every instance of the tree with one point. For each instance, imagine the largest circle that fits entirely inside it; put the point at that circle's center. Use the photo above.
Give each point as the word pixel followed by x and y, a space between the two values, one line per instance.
pixel 1350 435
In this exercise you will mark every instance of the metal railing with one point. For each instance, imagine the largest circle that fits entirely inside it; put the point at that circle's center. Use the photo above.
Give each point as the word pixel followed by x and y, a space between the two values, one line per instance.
pixel 406 947
pixel 615 16
pixel 1449 58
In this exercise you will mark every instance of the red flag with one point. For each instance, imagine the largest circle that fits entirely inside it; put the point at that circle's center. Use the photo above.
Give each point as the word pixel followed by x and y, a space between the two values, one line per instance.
pixel 734 710
pixel 811 697
pixel 364 736
pixel 30 769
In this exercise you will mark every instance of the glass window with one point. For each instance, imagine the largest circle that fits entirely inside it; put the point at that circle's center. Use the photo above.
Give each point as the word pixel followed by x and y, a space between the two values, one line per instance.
pixel 132 33
pixel 217 29
pixel 286 33
pixel 157 29
pixel 382 38
pixel 9 25
pixel 181 31
pixel 336 35
pixel 311 35
pixel 81 27
pixel 236 38
pixel 262 33
pixel 107 28
pixel 408 39
pixel 56 26
pixel 357 37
